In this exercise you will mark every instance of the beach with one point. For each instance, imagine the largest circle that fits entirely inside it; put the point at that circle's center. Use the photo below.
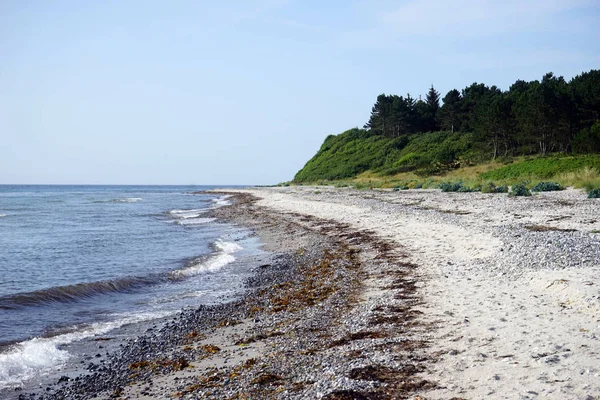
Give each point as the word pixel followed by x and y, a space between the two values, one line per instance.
pixel 383 295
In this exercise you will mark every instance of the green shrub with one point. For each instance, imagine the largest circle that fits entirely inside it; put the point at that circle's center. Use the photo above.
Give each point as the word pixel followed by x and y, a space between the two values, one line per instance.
pixel 450 186
pixel 547 187
pixel 519 189
pixel 488 187
pixel 454 187
pixel 594 194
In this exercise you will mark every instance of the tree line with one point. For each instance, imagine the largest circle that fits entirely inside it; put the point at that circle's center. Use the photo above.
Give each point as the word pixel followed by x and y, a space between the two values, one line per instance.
pixel 551 115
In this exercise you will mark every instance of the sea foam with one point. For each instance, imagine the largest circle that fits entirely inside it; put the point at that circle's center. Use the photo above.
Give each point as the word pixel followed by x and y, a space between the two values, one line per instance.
pixel 195 221
pixel 214 263
pixel 123 200
pixel 39 356
pixel 222 201
pixel 187 214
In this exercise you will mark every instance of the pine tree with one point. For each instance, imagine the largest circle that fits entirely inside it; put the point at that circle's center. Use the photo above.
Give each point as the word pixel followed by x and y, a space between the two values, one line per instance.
pixel 450 112
pixel 433 105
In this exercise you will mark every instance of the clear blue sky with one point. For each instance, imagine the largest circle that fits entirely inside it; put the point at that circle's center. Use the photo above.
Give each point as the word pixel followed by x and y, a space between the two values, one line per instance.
pixel 244 92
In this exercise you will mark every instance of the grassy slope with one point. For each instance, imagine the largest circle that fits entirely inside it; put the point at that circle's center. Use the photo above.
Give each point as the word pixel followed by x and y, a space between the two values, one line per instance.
pixel 355 151
pixel 356 158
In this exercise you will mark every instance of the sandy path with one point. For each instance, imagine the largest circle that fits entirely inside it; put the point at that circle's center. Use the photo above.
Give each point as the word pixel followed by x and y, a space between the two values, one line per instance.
pixel 499 335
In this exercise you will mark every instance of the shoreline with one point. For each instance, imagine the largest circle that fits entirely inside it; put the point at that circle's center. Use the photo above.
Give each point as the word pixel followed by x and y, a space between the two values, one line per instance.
pixel 289 335
pixel 510 285
pixel 381 295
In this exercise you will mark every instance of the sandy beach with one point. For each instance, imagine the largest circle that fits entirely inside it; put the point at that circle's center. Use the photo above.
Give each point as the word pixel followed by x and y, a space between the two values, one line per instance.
pixel 389 295
pixel 510 285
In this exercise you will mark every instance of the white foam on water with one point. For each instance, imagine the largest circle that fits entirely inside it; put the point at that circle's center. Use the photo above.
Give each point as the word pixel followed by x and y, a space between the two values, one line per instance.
pixel 124 200
pixel 28 360
pixel 187 212
pixel 227 247
pixel 194 215
pixel 39 356
pixel 129 200
pixel 195 221
pixel 3 215
pixel 222 201
pixel 214 263
pixel 188 216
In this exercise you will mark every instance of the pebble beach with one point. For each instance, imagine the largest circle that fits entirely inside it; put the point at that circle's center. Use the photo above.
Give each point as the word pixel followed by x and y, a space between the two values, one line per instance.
pixel 385 295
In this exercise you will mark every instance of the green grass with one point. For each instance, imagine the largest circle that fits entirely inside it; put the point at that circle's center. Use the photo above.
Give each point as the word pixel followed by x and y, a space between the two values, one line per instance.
pixel 543 168
pixel 364 161
pixel 347 155
pixel 356 151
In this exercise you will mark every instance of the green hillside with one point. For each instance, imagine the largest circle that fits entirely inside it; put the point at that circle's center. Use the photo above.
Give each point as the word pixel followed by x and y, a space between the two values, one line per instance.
pixel 541 128
pixel 356 151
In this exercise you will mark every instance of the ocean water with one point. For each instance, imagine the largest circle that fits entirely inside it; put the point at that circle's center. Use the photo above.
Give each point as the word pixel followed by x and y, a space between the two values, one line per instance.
pixel 80 261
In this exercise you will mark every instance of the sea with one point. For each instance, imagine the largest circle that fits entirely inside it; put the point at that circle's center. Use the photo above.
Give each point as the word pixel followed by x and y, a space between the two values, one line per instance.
pixel 80 262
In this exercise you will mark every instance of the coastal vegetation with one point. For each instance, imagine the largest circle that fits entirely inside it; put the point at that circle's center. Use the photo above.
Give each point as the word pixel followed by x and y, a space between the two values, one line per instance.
pixel 533 132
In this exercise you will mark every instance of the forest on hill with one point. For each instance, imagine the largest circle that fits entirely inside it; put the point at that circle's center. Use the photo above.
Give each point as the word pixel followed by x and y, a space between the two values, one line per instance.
pixel 478 123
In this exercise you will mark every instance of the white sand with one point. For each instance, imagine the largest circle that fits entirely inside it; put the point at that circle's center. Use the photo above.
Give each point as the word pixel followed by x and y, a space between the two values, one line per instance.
pixel 502 331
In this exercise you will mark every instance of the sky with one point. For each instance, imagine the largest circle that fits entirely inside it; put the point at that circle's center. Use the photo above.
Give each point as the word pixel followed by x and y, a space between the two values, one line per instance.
pixel 245 92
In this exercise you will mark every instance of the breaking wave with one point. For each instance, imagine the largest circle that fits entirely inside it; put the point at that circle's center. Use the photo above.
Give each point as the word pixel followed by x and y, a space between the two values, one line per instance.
pixel 29 359
pixel 222 201
pixel 71 293
pixel 213 263
pixel 190 217
pixel 222 256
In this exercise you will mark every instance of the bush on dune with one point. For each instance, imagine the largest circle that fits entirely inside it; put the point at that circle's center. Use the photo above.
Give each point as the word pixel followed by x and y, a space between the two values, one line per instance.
pixel 594 193
pixel 519 189
pixel 547 187
pixel 455 187
pixel 490 187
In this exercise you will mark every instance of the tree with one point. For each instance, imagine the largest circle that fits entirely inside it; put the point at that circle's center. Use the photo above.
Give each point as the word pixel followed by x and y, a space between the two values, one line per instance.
pixel 588 140
pixel 585 89
pixel 421 117
pixel 380 114
pixel 450 112
pixel 472 97
pixel 433 105
pixel 393 116
pixel 538 116
pixel 495 122
pixel 401 112
pixel 546 114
